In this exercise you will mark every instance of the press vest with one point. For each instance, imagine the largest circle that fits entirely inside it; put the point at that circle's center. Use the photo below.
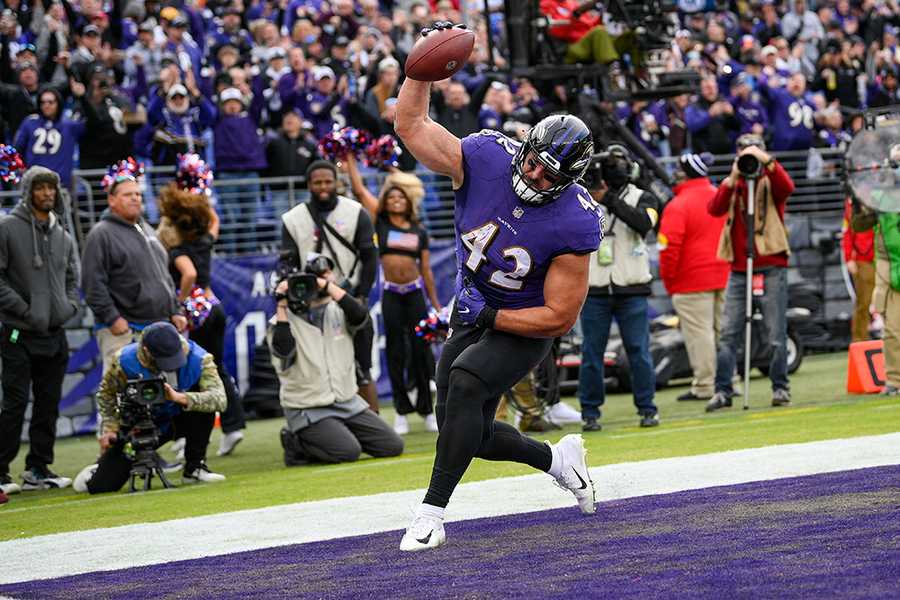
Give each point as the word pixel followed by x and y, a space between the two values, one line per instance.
pixel 343 219
pixel 631 263
pixel 324 368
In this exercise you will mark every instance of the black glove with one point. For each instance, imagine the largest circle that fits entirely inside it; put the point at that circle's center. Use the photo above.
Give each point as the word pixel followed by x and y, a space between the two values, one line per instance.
pixel 439 25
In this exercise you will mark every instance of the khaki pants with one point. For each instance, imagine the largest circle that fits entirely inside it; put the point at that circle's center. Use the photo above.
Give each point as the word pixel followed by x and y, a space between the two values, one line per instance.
pixel 887 302
pixel 700 318
pixel 864 284
pixel 110 344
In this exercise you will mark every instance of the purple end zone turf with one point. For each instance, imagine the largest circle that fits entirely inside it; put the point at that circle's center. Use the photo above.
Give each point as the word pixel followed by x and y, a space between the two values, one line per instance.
pixel 833 535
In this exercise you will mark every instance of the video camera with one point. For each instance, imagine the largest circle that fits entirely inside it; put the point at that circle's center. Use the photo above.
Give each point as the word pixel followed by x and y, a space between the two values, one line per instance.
pixel 136 403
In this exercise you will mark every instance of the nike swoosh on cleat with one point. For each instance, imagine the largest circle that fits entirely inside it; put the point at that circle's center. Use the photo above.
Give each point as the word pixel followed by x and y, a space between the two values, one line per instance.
pixel 425 539
pixel 583 482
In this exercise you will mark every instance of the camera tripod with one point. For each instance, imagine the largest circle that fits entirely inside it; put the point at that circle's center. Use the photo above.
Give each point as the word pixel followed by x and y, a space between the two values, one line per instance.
pixel 144 467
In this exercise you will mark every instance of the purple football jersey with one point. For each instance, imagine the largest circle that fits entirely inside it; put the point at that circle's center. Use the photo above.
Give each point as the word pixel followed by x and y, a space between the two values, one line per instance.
pixel 505 246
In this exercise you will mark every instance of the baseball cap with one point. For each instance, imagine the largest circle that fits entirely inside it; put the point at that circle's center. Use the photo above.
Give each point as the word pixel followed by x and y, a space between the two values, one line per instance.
pixel 90 29
pixel 388 63
pixel 177 90
pixel 741 78
pixel 147 25
pixel 277 52
pixel 25 65
pixel 320 73
pixel 341 40
pixel 179 21
pixel 163 342
pixel 767 50
pixel 231 94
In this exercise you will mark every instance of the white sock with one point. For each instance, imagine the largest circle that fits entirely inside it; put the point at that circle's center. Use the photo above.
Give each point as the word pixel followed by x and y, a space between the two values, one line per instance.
pixel 556 462
pixel 430 511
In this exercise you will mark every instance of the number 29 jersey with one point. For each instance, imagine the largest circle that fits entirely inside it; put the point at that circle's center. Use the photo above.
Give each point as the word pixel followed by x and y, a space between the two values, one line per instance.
pixel 505 246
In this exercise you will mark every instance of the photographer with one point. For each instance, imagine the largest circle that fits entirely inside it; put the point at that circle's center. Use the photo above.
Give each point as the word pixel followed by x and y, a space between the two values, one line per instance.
pixel 312 352
pixel 770 251
pixel 341 229
pixel 191 395
pixel 619 286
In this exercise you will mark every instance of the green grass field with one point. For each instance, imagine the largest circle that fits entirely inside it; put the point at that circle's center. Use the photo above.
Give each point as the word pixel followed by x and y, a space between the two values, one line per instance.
pixel 257 476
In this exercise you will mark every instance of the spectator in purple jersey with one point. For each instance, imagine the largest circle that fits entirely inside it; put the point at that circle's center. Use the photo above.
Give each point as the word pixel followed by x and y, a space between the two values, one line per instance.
pixel 884 91
pixel 711 120
pixel 649 123
pixel 791 114
pixel 47 139
pixel 750 114
pixel 498 103
pixel 832 133
pixel 525 232
pixel 325 105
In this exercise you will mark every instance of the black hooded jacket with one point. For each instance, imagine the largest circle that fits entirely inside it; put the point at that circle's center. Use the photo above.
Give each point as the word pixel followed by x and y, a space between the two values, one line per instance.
pixel 38 265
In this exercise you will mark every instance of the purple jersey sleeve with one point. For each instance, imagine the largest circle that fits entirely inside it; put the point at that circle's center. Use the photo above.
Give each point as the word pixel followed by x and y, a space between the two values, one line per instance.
pixel 581 222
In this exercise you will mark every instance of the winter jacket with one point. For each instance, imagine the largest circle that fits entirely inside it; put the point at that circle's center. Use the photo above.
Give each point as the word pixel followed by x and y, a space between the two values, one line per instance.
pixel 289 157
pixel 238 145
pixel 688 239
pixel 856 245
pixel 771 246
pixel 38 268
pixel 125 273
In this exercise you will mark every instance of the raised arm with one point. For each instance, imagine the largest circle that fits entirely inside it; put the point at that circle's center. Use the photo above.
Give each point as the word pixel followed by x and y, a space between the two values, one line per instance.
pixel 360 191
pixel 428 141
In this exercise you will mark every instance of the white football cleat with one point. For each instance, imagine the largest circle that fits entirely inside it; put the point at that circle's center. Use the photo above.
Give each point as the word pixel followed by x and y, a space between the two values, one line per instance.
pixel 431 423
pixel 562 414
pixel 574 475
pixel 422 534
pixel 201 474
pixel 229 441
pixel 401 425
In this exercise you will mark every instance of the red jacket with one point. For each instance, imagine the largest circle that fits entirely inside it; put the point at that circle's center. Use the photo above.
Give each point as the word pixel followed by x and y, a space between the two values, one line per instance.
pixel 782 188
pixel 857 245
pixel 562 10
pixel 688 240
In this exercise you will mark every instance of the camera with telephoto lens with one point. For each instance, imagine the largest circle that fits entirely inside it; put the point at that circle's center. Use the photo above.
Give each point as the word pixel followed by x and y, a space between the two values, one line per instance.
pixel 748 165
pixel 302 287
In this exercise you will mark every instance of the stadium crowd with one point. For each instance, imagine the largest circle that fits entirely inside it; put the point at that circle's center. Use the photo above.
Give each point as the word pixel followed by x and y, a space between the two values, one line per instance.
pixel 252 86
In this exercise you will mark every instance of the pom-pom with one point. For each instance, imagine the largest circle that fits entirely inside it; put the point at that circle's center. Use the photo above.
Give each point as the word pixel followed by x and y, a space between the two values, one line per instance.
pixel 197 307
pixel 433 328
pixel 340 143
pixel 11 164
pixel 194 175
pixel 383 152
pixel 125 170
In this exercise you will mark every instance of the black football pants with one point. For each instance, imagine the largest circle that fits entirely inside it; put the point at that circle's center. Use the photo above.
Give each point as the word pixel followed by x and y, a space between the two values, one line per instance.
pixel 475 368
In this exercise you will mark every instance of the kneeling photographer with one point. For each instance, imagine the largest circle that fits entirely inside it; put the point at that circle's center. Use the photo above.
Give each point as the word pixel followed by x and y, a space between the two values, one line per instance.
pixel 312 352
pixel 158 389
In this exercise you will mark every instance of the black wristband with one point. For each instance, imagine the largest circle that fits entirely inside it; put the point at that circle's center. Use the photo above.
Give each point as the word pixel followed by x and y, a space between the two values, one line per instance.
pixel 486 318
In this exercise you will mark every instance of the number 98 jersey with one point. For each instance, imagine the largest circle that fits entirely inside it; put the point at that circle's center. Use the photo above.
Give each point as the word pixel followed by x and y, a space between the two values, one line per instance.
pixel 505 246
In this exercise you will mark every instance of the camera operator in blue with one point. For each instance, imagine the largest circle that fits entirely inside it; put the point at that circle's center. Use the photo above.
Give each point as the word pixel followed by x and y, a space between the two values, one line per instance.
pixel 38 294
pixel 619 285
pixel 193 393
pixel 312 351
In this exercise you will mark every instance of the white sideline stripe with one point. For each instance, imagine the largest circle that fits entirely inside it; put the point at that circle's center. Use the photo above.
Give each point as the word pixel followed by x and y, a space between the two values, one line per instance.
pixel 113 548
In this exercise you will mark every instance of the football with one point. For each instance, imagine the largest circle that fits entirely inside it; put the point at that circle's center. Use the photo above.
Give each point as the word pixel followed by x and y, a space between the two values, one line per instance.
pixel 439 54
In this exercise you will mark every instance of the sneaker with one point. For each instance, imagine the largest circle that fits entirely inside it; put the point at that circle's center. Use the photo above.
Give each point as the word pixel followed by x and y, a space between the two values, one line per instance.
pixel 401 425
pixel 81 480
pixel 650 420
pixel 41 479
pixel 8 486
pixel 536 424
pixel 573 474
pixel 178 449
pixel 562 414
pixel 431 423
pixel 888 390
pixel 229 441
pixel 422 534
pixel 591 424
pixel 719 400
pixel 201 474
pixel 689 396
pixel 781 397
